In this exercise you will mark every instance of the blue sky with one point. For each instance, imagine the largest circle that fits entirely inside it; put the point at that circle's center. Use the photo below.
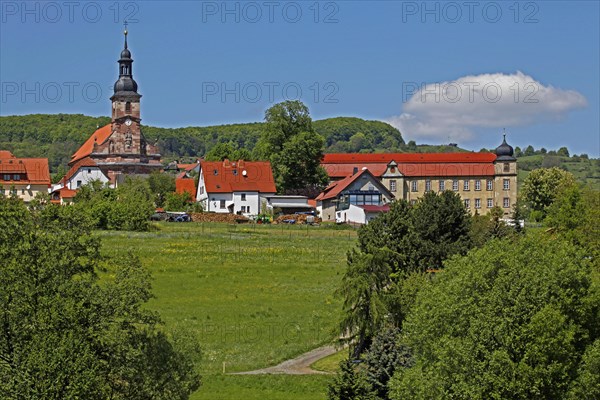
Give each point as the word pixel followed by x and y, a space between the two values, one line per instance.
pixel 440 71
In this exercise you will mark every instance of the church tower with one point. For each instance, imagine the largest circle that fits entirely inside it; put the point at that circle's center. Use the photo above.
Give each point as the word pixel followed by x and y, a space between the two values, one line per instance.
pixel 126 107
pixel 120 149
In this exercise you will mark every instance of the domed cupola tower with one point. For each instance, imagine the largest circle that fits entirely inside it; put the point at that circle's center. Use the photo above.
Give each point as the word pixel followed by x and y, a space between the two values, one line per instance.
pixel 505 181
pixel 505 152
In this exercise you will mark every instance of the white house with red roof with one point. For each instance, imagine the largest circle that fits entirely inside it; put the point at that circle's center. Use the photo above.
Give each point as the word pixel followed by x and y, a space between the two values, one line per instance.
pixel 23 177
pixel 237 187
pixel 81 173
pixel 357 198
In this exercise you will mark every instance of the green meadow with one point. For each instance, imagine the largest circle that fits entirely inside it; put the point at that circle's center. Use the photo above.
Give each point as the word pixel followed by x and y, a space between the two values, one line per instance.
pixel 252 295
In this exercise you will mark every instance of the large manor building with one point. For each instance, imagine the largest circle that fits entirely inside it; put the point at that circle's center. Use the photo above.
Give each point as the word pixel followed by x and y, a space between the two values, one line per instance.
pixel 483 180
pixel 118 149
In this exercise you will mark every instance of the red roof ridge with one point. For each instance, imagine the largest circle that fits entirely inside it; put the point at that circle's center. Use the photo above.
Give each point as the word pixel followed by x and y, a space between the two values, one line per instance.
pixel 99 136
pixel 459 157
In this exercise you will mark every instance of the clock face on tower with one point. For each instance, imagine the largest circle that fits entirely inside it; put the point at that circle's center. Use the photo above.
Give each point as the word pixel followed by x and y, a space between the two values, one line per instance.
pixel 128 122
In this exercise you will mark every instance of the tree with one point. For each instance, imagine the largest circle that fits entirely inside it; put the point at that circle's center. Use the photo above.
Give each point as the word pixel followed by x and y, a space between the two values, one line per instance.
pixel 518 152
pixel 393 252
pixel 293 147
pixel 349 384
pixel 541 187
pixel 66 333
pixel 529 151
pixel 128 207
pixel 160 185
pixel 563 152
pixel 383 358
pixel 363 287
pixel 512 320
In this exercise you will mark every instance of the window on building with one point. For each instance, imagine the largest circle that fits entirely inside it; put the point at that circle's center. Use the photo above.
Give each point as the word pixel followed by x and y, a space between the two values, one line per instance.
pixel 128 107
pixel 467 203
pixel 490 184
pixel 477 203
pixel 222 203
pixel 392 186
pixel 506 167
pixel 78 183
pixel 442 185
pixel 413 202
pixel 428 185
pixel 490 203
pixel 13 191
pixel 235 172
pixel 413 186
pixel 506 202
pixel 455 185
pixel 506 184
pixel 215 172
pixel 6 177
pixel 477 184
pixel 23 191
pixel 243 196
pixel 17 177
pixel 466 184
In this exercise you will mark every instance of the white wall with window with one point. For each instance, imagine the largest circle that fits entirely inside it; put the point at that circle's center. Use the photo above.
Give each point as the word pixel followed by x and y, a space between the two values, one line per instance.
pixel 414 186
pixel 393 185
pixel 85 175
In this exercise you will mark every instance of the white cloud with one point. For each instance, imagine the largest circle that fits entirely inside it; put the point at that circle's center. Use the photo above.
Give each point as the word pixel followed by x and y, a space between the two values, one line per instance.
pixel 439 111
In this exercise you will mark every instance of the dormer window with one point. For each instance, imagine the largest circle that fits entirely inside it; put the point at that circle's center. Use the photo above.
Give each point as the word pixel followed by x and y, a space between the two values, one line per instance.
pixel 215 172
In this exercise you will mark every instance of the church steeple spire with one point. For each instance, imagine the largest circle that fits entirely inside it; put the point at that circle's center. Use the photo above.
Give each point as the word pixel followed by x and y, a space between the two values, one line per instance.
pixel 125 86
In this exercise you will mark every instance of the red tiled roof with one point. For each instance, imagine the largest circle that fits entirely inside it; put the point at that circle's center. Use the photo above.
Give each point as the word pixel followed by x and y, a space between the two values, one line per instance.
pixel 409 164
pixel 35 169
pixel 67 193
pixel 335 188
pixel 84 162
pixel 312 203
pixel 183 185
pixel 344 170
pixel 227 177
pixel 187 167
pixel 86 149
pixel 373 209
pixel 352 158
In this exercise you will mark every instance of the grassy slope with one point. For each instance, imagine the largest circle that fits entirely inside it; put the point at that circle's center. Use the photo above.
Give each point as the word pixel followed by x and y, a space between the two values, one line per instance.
pixel 254 295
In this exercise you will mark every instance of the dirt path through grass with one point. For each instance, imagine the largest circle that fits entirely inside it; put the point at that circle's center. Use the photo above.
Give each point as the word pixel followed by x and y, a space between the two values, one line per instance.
pixel 296 366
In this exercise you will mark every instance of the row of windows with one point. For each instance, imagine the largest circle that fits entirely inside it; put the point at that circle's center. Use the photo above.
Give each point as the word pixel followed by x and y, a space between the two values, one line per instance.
pixel 9 177
pixel 11 191
pixel 489 185
pixel 490 203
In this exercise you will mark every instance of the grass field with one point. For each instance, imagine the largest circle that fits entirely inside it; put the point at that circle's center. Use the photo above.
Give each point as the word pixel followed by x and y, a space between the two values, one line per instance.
pixel 253 295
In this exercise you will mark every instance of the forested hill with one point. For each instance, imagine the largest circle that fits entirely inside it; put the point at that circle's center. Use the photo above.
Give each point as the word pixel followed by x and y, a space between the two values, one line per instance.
pixel 58 136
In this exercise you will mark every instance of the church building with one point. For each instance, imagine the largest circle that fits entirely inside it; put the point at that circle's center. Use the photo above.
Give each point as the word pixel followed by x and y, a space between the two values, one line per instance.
pixel 118 149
